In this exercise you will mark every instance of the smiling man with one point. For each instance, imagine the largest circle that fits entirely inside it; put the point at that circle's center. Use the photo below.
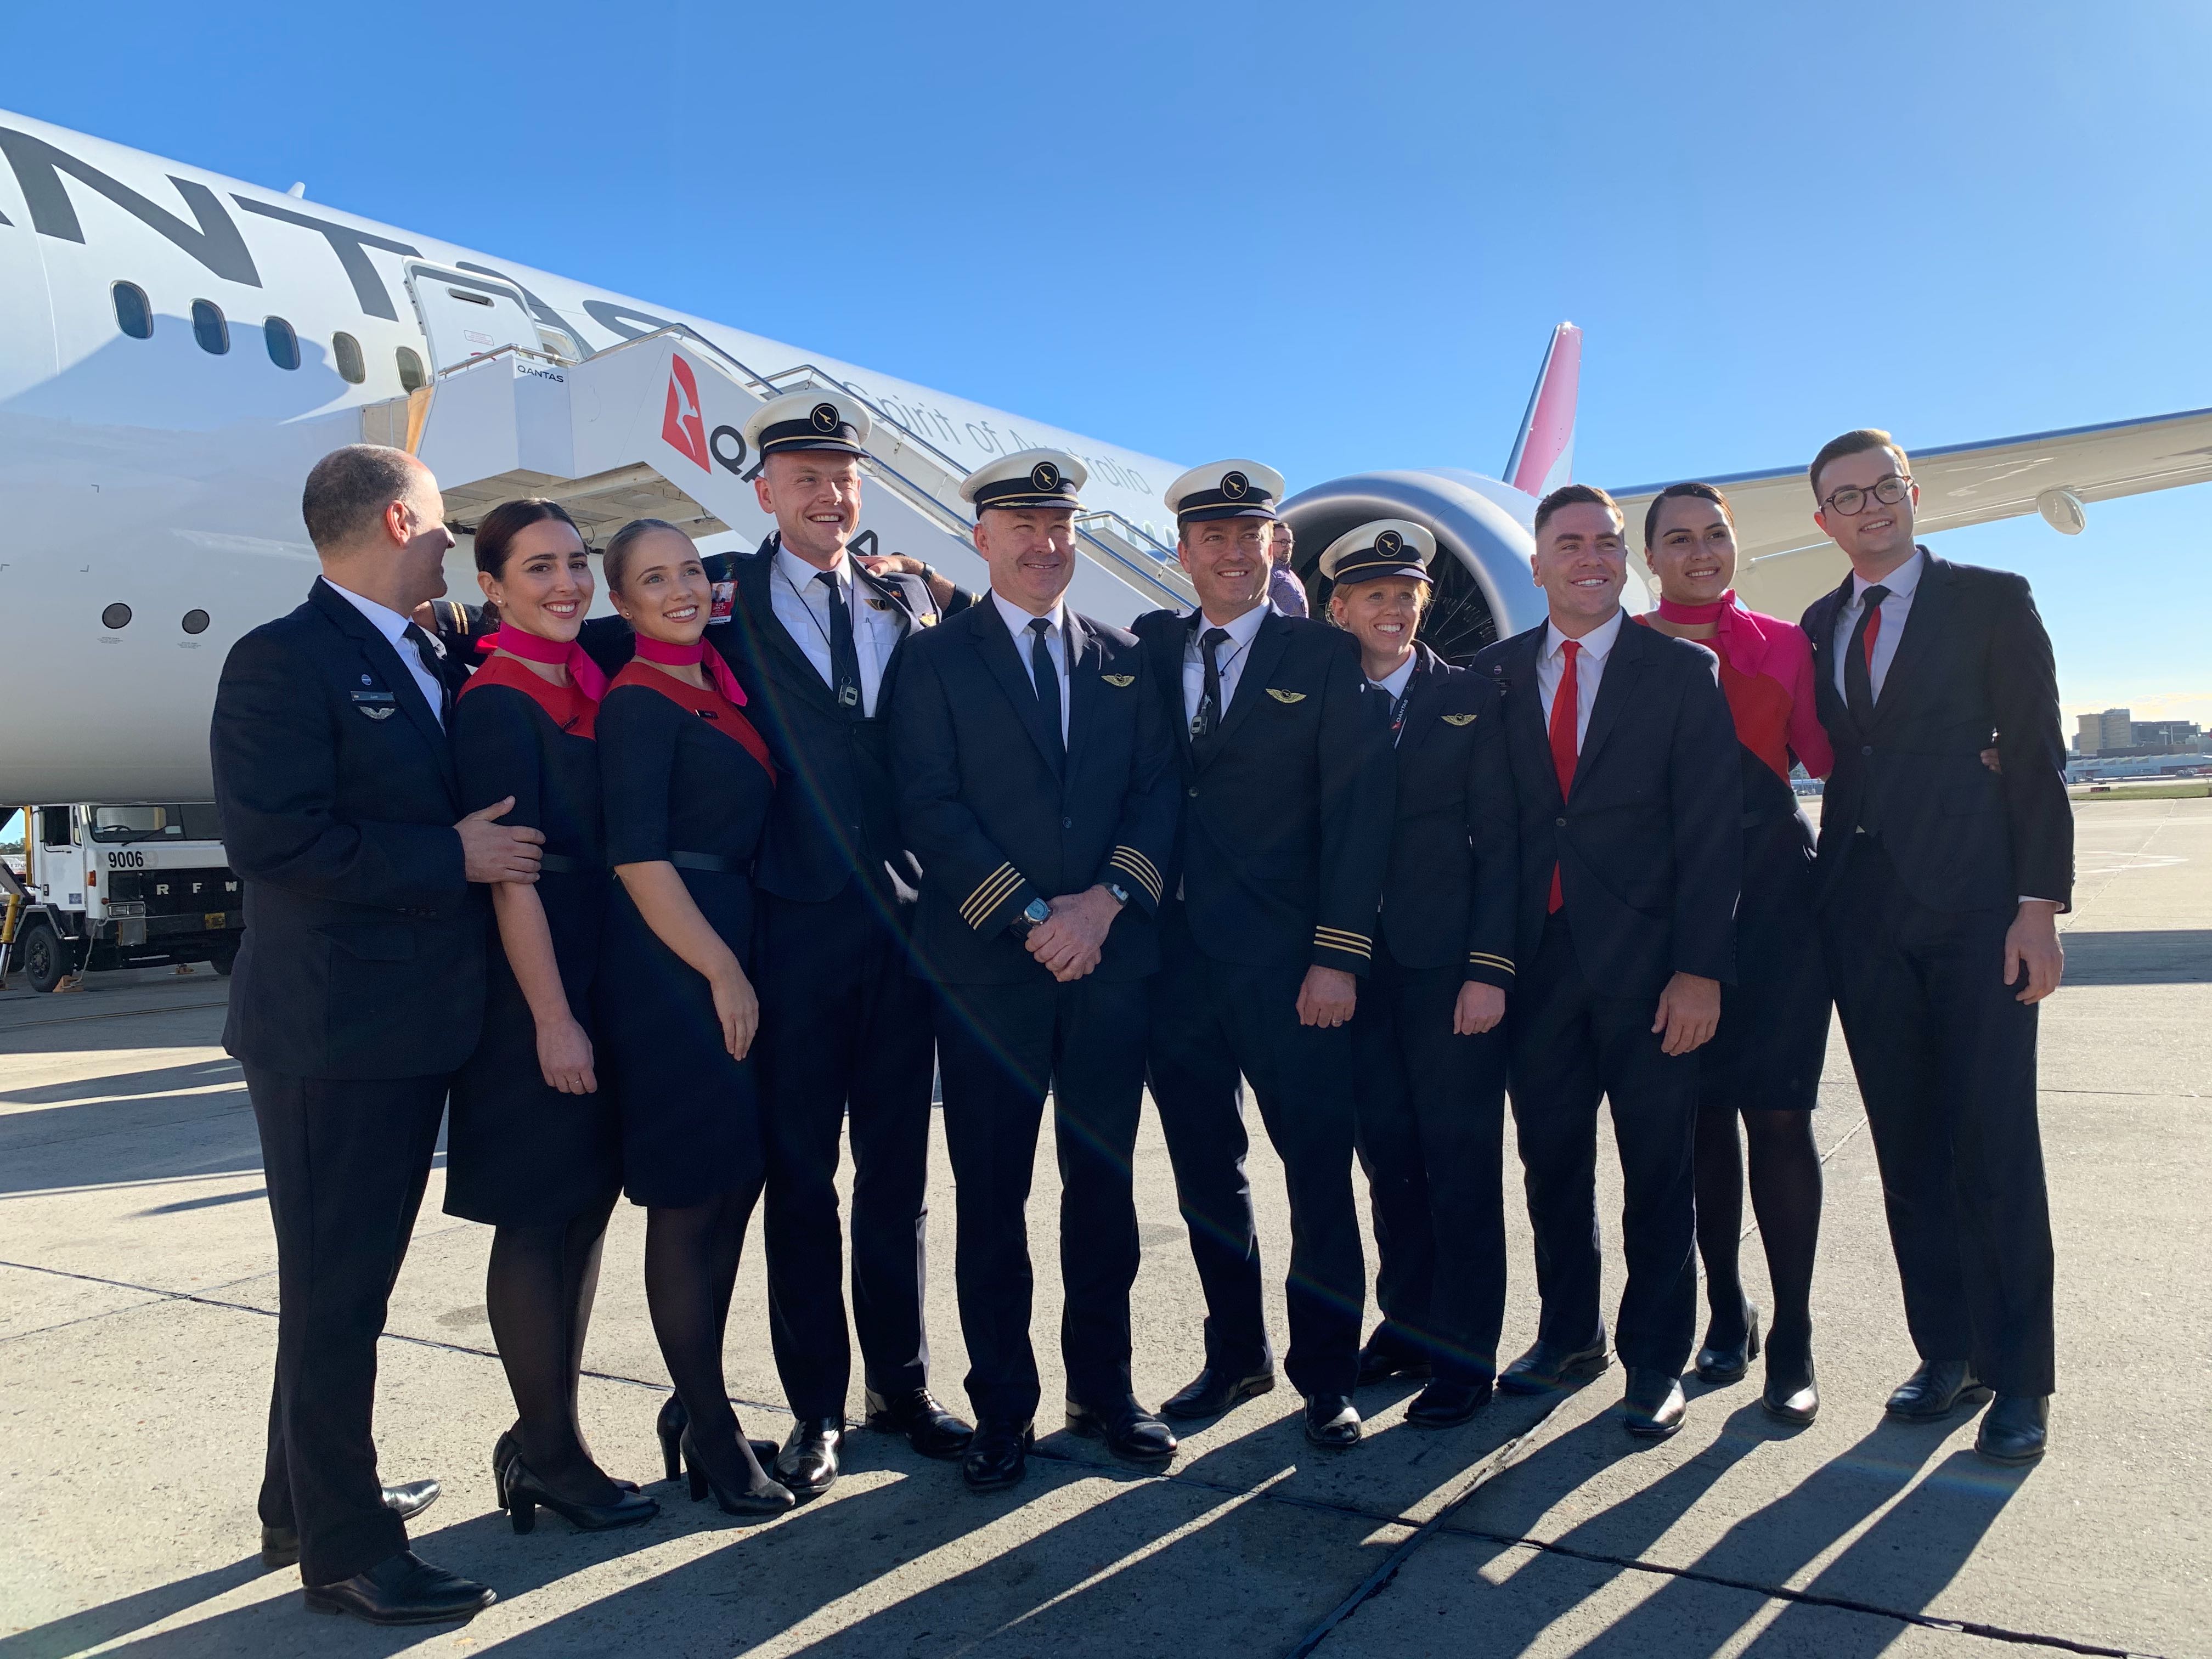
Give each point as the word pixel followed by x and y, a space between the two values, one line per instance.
pixel 1037 788
pixel 1626 776
pixel 1939 880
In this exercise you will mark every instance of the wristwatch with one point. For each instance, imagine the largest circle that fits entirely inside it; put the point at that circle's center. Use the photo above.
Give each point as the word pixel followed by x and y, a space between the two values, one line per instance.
pixel 1034 915
pixel 1121 893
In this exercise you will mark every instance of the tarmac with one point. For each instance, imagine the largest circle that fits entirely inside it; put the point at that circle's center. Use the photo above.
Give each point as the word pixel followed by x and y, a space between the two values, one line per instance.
pixel 137 1290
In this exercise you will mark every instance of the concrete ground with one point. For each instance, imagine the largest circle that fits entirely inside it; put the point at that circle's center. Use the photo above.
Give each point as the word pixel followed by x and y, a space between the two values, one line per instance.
pixel 137 1285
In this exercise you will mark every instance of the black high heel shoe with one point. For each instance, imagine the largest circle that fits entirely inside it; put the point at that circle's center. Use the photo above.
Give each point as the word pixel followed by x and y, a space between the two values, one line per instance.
pixel 521 1494
pixel 507 1449
pixel 1725 1364
pixel 771 1498
pixel 670 1427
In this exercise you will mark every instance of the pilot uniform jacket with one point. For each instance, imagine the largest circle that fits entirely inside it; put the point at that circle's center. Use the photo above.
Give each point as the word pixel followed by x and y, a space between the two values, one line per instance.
pixel 364 950
pixel 1287 808
pixel 997 821
pixel 1448 891
pixel 1973 666
pixel 1659 753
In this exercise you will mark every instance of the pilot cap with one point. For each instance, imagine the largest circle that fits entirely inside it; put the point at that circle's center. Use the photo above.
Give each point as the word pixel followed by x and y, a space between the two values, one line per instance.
pixel 807 420
pixel 1028 478
pixel 1225 489
pixel 1387 547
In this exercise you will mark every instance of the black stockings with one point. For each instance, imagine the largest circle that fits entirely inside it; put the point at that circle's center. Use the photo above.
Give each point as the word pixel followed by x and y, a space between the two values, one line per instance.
pixel 1785 1195
pixel 539 1294
pixel 690 1271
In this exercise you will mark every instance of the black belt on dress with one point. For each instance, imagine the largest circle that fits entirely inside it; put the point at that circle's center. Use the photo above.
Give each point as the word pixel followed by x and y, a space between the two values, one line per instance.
pixel 713 863
pixel 557 864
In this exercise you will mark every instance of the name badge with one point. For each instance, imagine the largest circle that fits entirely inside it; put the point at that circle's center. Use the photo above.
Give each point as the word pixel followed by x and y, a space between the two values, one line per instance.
pixel 725 603
pixel 849 696
pixel 376 705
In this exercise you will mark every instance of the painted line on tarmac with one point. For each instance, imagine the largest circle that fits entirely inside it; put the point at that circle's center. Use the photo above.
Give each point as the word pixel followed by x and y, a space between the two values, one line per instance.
pixel 111 1013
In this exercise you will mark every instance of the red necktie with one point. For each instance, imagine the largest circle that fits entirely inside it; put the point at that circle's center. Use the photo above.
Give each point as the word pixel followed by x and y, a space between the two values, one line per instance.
pixel 1566 708
pixel 1873 633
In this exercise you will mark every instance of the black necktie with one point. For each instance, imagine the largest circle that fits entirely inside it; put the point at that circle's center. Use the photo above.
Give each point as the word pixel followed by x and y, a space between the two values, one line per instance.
pixel 1858 676
pixel 1047 682
pixel 433 664
pixel 844 656
pixel 1208 718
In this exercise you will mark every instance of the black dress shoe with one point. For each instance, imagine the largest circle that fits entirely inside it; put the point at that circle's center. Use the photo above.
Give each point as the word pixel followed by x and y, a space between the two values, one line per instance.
pixel 1792 1399
pixel 279 1545
pixel 1382 1359
pixel 669 1427
pixel 997 1456
pixel 1935 1390
pixel 1446 1405
pixel 1214 1390
pixel 808 1462
pixel 928 1427
pixel 1131 1432
pixel 1723 1363
pixel 1653 1404
pixel 2014 1429
pixel 521 1494
pixel 403 1589
pixel 1547 1366
pixel 1332 1423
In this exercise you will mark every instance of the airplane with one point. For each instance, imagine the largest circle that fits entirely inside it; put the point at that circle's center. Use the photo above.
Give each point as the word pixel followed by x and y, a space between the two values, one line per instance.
pixel 177 348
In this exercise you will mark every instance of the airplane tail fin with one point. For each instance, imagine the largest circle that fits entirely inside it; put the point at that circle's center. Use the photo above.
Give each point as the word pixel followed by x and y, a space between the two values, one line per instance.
pixel 1543 455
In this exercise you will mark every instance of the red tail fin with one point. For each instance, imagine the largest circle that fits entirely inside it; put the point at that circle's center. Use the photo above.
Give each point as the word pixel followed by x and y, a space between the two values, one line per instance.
pixel 1544 453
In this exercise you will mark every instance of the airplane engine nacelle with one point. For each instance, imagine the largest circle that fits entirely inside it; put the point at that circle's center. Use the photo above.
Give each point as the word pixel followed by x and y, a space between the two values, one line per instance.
pixel 1484 543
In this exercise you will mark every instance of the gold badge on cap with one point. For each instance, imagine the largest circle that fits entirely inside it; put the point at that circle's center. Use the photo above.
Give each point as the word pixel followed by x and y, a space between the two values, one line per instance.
pixel 1235 486
pixel 824 417
pixel 1045 476
pixel 1390 542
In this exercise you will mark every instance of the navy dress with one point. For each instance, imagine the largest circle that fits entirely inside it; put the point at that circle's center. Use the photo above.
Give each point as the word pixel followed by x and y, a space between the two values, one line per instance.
pixel 685 779
pixel 519 1152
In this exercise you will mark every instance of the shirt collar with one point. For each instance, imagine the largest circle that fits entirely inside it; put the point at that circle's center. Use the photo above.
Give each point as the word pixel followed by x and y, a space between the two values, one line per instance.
pixel 1596 644
pixel 1394 684
pixel 796 571
pixel 1240 631
pixel 1900 583
pixel 388 621
pixel 1017 620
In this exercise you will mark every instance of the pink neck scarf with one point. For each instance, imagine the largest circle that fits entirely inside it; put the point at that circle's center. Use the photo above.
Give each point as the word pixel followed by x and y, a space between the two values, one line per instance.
pixel 684 656
pixel 583 673
pixel 1692 616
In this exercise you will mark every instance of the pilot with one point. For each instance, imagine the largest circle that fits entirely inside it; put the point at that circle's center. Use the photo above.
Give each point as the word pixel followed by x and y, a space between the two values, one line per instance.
pixel 1266 932
pixel 1431 1083
pixel 1038 789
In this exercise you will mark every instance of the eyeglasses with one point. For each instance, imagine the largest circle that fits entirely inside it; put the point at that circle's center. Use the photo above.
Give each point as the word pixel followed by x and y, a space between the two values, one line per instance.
pixel 1851 502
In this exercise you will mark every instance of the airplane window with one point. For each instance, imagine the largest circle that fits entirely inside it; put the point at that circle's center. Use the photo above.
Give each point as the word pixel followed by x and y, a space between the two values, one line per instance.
pixel 283 343
pixel 210 329
pixel 196 622
pixel 116 616
pixel 133 314
pixel 411 378
pixel 347 350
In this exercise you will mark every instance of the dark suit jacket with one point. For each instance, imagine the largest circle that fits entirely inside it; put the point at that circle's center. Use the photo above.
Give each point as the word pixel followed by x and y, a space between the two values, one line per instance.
pixel 1650 842
pixel 1287 814
pixel 996 823
pixel 1448 895
pixel 1974 666
pixel 835 814
pixel 364 947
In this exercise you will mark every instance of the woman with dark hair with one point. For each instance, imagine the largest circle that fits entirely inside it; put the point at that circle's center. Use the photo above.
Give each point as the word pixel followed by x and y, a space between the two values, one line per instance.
pixel 687 782
pixel 533 1146
pixel 1764 1063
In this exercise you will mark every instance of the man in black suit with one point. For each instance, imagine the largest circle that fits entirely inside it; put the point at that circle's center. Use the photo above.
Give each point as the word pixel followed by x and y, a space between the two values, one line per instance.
pixel 358 990
pixel 1940 881
pixel 1038 789
pixel 1625 769
pixel 1265 937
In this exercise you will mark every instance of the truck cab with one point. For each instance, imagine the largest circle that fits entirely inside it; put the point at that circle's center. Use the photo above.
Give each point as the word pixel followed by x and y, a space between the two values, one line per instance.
pixel 134 886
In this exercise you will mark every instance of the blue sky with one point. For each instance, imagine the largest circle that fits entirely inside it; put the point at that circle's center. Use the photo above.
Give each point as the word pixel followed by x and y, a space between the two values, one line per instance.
pixel 1332 238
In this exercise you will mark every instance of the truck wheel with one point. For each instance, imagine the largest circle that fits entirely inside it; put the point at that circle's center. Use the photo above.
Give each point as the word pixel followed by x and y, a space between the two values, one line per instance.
pixel 45 961
pixel 224 961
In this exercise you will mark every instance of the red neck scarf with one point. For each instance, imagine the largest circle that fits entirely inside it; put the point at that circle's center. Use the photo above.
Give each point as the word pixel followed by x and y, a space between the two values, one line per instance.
pixel 684 656
pixel 583 672
pixel 1695 615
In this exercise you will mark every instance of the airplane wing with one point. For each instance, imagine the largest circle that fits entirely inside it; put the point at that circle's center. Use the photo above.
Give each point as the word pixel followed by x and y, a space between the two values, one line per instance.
pixel 1785 562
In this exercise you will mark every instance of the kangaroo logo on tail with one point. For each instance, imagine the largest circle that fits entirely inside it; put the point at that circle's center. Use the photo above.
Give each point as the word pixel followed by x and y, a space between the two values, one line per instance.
pixel 683 426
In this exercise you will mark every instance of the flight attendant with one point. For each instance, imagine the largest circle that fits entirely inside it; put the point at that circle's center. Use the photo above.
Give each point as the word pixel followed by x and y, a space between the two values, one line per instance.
pixel 533 1146
pixel 1429 1080
pixel 1763 1065
pixel 686 783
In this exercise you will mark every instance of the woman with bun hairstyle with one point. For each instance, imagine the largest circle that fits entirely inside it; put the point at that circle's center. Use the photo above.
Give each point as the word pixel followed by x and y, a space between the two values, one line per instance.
pixel 687 782
pixel 1764 1063
pixel 533 1147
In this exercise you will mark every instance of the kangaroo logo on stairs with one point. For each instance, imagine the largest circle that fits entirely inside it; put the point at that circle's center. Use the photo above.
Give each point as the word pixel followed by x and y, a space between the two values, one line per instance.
pixel 683 426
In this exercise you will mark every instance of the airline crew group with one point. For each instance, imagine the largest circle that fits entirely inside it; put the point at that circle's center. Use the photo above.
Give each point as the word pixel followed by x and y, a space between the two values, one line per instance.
pixel 860 825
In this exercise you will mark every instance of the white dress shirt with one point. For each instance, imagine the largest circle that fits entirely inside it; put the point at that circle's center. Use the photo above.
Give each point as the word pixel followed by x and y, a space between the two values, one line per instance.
pixel 1017 622
pixel 393 626
pixel 1230 657
pixel 1589 669
pixel 1901 582
pixel 801 603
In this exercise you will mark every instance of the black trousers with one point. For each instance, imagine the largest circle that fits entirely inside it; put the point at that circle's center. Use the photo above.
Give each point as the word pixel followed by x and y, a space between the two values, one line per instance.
pixel 1000 1047
pixel 1945 1055
pixel 346 1164
pixel 1572 1045
pixel 1430 1134
pixel 844 1032
pixel 1212 1021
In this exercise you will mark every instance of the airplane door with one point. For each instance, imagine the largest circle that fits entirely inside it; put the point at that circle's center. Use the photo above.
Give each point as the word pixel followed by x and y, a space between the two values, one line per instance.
pixel 466 316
